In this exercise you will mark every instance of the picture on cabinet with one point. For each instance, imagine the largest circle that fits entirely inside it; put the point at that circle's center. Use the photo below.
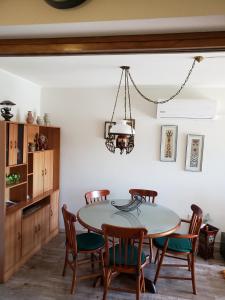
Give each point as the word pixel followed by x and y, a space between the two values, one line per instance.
pixel 168 146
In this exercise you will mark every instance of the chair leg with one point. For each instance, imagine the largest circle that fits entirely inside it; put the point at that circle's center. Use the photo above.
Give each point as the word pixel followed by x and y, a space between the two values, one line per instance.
pixel 138 286
pixel 142 281
pixel 106 283
pixel 156 256
pixel 92 262
pixel 189 262
pixel 150 250
pixel 74 276
pixel 65 264
pixel 161 260
pixel 193 273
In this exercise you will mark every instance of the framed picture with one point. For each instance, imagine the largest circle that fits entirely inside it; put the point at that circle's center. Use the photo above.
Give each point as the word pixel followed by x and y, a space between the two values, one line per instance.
pixel 194 152
pixel 130 122
pixel 108 125
pixel 168 146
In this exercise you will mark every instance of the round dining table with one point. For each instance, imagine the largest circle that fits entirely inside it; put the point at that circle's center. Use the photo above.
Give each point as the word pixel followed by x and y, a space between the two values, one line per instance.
pixel 157 219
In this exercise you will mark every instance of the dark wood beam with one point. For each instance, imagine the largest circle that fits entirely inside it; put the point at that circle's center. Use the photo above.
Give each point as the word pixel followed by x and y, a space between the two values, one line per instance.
pixel 153 43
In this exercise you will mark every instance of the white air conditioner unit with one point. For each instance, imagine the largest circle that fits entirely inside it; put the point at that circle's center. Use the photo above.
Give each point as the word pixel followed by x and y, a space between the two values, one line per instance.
pixel 188 109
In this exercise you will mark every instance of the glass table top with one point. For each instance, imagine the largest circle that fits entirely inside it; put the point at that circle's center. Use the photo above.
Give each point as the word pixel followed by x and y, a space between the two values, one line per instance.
pixel 158 220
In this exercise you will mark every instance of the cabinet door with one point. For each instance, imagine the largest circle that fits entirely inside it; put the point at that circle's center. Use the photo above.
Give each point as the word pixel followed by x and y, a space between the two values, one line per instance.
pixel 38 173
pixel 13 139
pixel 12 239
pixel 48 170
pixel 54 211
pixel 44 223
pixel 29 231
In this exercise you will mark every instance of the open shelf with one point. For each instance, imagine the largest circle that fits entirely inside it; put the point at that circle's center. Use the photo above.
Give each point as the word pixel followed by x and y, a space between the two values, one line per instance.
pixel 15 185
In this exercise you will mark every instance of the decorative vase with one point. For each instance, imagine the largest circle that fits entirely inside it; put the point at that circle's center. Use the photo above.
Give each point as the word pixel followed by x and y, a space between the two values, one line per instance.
pixel 46 119
pixel 40 120
pixel 30 118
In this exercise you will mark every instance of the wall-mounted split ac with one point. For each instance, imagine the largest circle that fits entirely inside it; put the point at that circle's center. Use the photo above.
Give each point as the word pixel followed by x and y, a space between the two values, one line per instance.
pixel 188 109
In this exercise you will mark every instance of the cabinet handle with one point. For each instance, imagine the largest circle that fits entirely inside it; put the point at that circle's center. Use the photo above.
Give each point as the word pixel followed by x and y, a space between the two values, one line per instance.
pixel 45 171
pixel 51 213
pixel 42 172
pixel 11 144
pixel 15 144
pixel 19 236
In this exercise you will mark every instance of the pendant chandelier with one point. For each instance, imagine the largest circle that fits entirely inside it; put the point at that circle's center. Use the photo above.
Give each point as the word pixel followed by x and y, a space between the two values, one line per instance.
pixel 121 134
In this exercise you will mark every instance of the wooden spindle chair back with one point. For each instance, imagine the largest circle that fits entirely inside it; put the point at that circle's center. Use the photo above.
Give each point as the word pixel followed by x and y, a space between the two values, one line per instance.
pixel 195 225
pixel 96 196
pixel 123 238
pixel 148 195
pixel 69 222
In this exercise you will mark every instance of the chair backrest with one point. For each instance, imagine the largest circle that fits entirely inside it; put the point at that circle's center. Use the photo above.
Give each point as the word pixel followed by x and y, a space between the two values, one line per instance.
pixel 196 220
pixel 69 222
pixel 95 196
pixel 148 195
pixel 120 241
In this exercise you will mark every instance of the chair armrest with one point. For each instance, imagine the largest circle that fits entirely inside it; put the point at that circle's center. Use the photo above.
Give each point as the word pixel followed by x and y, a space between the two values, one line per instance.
pixel 183 236
pixel 185 221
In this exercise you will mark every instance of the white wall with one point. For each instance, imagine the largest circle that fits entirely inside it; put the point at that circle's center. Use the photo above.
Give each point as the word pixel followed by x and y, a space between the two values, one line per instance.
pixel 24 93
pixel 87 165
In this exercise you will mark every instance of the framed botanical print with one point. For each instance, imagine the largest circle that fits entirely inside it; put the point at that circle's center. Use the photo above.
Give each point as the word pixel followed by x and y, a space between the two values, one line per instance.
pixel 168 146
pixel 194 152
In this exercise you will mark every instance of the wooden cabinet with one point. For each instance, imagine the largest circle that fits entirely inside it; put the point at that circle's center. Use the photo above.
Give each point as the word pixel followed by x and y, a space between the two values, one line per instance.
pixel 12 239
pixel 12 144
pixel 42 172
pixel 28 207
pixel 35 229
pixel 54 211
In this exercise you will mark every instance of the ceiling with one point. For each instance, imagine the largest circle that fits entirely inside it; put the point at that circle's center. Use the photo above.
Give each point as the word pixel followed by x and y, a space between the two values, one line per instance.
pixel 103 70
pixel 118 27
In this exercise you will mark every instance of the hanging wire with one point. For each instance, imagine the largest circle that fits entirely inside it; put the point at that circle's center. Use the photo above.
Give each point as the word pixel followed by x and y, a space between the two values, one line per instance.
pixel 197 58
pixel 128 94
pixel 117 94
pixel 125 95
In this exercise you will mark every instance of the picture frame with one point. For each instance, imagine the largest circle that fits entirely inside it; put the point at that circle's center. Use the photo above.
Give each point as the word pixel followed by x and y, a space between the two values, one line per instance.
pixel 194 152
pixel 108 125
pixel 130 122
pixel 168 144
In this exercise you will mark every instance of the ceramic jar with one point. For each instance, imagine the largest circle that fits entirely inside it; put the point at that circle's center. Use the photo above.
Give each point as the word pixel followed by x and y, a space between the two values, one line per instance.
pixel 46 119
pixel 40 120
pixel 30 118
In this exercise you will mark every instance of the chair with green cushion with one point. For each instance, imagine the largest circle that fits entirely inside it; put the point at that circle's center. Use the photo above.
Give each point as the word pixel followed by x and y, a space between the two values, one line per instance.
pixel 183 246
pixel 123 254
pixel 86 243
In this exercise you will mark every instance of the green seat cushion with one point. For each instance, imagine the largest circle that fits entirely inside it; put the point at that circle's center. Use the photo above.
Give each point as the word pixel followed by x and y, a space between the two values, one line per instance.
pixel 132 256
pixel 89 241
pixel 177 245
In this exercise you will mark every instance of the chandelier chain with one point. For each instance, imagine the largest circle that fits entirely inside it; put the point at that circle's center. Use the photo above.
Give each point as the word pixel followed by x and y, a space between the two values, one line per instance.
pixel 171 97
pixel 125 96
pixel 128 94
pixel 117 94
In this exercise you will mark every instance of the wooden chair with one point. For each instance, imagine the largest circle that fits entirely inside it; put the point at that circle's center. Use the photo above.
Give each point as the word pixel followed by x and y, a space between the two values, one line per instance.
pixel 95 196
pixel 86 243
pixel 123 256
pixel 180 245
pixel 149 196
